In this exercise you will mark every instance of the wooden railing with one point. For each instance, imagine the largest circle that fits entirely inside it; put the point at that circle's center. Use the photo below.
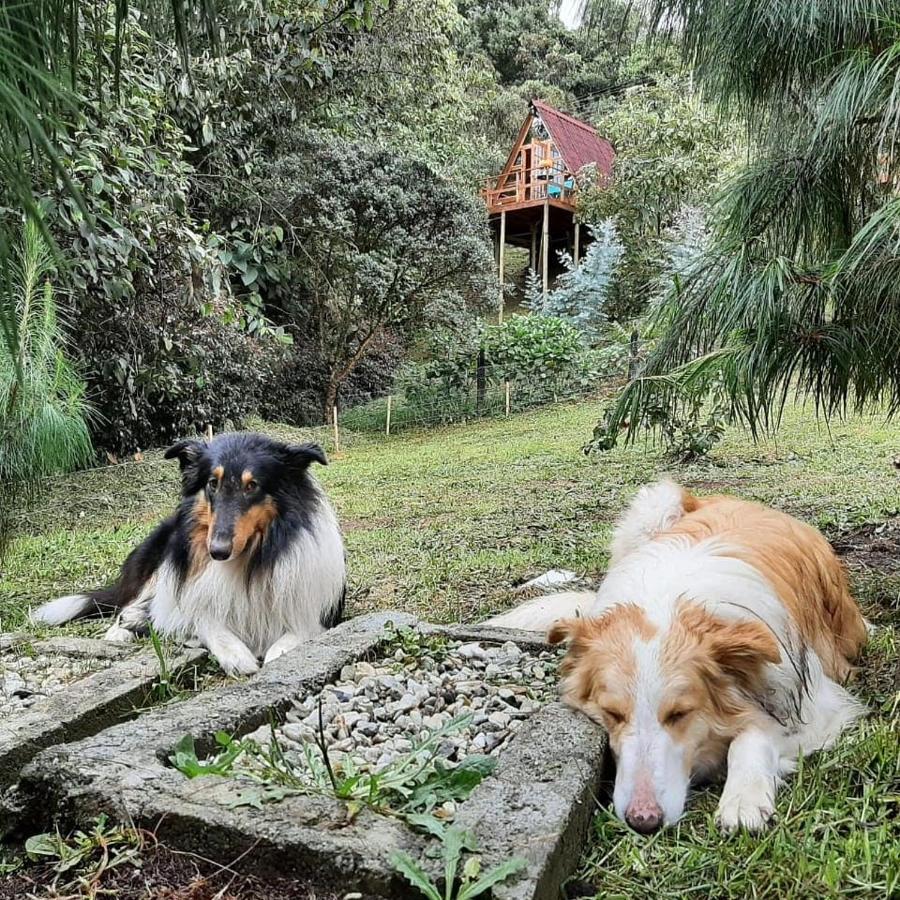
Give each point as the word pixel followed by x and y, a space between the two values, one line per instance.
pixel 524 185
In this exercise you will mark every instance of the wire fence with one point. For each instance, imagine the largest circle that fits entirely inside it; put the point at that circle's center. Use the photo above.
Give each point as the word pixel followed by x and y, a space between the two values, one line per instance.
pixel 490 393
pixel 482 391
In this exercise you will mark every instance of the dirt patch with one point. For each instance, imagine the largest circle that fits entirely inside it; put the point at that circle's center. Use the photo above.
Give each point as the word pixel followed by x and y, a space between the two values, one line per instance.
pixel 163 874
pixel 711 486
pixel 875 545
pixel 368 523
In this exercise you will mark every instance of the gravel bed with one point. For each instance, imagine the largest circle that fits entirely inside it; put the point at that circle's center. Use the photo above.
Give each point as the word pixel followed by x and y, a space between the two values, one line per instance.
pixel 377 710
pixel 27 676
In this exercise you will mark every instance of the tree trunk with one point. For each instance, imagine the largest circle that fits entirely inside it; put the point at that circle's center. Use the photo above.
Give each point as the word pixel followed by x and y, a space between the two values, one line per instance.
pixel 338 375
pixel 331 394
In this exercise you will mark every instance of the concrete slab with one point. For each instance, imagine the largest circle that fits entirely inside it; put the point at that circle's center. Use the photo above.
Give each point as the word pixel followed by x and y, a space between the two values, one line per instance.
pixel 537 804
pixel 86 706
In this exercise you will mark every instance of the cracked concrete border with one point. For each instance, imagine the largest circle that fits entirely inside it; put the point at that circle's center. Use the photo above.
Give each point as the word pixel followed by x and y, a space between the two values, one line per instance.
pixel 88 705
pixel 537 805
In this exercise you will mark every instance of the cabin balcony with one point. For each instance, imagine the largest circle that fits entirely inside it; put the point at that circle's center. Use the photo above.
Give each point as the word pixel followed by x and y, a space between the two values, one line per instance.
pixel 521 188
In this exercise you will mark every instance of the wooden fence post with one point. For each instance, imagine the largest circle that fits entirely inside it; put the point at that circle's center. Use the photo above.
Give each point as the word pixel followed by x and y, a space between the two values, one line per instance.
pixel 633 361
pixel 480 380
pixel 209 432
pixel 506 386
pixel 387 424
pixel 337 433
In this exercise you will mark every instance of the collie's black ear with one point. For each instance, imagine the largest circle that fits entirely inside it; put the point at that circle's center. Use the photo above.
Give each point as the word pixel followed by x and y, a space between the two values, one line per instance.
pixel 303 455
pixel 187 453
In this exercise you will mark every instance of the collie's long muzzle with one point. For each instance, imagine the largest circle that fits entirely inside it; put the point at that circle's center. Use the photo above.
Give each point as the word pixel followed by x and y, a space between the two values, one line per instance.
pixel 220 541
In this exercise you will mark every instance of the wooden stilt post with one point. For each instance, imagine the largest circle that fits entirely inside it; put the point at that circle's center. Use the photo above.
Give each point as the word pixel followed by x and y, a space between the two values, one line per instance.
pixel 533 259
pixel 500 263
pixel 577 254
pixel 545 249
pixel 506 386
pixel 337 433
pixel 387 424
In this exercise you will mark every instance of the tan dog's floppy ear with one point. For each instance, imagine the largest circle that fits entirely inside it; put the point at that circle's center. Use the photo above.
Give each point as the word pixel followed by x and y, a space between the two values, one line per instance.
pixel 579 633
pixel 743 648
pixel 563 630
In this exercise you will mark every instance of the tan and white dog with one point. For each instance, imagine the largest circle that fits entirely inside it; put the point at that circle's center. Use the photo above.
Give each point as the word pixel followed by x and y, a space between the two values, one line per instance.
pixel 718 639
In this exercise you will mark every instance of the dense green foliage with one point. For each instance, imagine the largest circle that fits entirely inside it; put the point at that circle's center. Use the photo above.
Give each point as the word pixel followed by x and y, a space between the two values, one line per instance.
pixel 798 287
pixel 541 358
pixel 375 244
pixel 264 206
pixel 670 154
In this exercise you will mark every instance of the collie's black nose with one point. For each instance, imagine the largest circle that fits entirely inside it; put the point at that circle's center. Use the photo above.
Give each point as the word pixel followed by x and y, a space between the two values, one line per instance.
pixel 220 549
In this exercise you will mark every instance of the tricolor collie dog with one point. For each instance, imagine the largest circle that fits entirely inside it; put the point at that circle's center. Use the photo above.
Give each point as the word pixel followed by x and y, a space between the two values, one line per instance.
pixel 251 563
pixel 718 640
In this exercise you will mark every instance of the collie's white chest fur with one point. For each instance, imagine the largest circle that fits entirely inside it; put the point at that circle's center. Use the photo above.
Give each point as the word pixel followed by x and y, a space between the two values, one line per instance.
pixel 292 598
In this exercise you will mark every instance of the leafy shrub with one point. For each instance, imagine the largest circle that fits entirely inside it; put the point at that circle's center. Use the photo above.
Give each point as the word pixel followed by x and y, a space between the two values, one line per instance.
pixel 376 243
pixel 166 348
pixel 691 431
pixel 542 357
pixel 688 427
pixel 163 369
pixel 581 293
pixel 532 348
pixel 43 413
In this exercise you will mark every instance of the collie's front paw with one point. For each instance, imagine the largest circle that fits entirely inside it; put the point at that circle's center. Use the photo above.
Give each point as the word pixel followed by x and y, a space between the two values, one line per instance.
pixel 751 808
pixel 116 632
pixel 233 654
pixel 236 660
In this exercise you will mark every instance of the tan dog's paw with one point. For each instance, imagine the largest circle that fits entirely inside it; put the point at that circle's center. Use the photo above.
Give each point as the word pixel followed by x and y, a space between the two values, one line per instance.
pixel 752 808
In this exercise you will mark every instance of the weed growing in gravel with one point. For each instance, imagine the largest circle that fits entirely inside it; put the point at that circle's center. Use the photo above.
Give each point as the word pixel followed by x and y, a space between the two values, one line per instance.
pixel 9 864
pixel 410 788
pixel 163 689
pixel 175 685
pixel 415 644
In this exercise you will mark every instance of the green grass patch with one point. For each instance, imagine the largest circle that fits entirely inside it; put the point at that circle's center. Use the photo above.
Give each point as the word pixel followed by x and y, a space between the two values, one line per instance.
pixel 445 523
pixel 835 834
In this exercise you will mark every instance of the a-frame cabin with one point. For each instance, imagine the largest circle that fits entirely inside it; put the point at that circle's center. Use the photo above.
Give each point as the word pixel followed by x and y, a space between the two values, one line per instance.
pixel 531 203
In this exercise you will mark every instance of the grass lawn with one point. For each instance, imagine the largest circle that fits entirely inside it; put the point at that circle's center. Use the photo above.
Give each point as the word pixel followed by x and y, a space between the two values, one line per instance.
pixel 445 523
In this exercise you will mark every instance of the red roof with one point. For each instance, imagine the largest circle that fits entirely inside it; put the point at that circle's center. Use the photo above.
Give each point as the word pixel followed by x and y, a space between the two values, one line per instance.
pixel 577 141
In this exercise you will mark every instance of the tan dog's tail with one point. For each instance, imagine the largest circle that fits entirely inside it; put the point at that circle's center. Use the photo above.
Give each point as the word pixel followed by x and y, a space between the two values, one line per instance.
pixel 655 509
pixel 541 612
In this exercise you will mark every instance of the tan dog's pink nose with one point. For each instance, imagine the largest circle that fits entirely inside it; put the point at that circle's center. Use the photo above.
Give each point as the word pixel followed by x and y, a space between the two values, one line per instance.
pixel 644 816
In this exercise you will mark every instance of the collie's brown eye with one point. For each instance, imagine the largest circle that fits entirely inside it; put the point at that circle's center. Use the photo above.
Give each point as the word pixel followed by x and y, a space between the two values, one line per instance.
pixel 213 484
pixel 676 716
pixel 614 716
pixel 250 487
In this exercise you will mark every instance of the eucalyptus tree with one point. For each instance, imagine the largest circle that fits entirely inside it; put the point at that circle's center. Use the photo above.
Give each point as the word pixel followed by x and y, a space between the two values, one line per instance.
pixel 798 289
